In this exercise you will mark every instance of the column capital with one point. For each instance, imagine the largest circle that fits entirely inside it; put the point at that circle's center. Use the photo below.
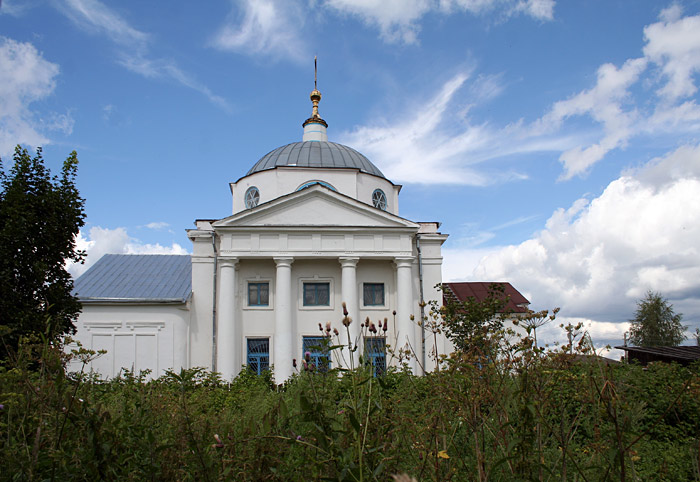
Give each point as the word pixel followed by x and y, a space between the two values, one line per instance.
pixel 348 262
pixel 283 261
pixel 228 261
pixel 404 261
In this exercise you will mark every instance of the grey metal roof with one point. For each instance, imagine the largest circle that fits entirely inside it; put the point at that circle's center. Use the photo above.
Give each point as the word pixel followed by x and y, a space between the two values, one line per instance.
pixel 315 154
pixel 134 278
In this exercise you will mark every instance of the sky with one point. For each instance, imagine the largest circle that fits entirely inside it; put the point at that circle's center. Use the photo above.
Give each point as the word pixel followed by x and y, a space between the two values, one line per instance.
pixel 558 143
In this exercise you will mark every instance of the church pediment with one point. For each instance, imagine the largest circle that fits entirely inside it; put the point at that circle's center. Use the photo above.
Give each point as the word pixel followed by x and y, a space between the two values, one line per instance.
pixel 315 206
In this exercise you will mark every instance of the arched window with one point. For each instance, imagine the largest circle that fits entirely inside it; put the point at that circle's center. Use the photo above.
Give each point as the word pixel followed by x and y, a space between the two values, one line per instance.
pixel 379 199
pixel 312 183
pixel 252 197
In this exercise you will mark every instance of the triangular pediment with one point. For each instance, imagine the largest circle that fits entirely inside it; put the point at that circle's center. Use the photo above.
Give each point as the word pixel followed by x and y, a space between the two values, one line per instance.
pixel 315 206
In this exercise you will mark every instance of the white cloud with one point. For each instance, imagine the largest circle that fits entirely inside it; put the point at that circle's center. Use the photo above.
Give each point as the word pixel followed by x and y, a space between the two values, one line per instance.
pixel 268 27
pixel 604 103
pixel 674 44
pixel 398 20
pixel 157 225
pixel 437 143
pixel 25 77
pixel 134 45
pixel 596 258
pixel 100 241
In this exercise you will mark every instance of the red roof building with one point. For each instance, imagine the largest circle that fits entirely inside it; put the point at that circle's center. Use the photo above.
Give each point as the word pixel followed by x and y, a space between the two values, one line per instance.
pixel 479 290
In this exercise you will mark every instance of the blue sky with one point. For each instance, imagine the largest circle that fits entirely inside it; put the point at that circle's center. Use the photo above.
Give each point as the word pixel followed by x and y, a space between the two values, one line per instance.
pixel 557 142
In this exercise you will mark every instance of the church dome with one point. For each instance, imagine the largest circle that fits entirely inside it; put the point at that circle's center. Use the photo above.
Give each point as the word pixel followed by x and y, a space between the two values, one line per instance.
pixel 316 154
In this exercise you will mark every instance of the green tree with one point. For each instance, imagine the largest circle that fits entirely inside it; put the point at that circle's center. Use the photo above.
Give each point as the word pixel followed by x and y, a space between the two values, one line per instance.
pixel 472 323
pixel 655 323
pixel 40 216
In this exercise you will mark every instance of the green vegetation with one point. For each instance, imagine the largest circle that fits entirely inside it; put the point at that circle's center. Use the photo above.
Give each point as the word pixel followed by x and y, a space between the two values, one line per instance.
pixel 40 217
pixel 526 414
pixel 655 323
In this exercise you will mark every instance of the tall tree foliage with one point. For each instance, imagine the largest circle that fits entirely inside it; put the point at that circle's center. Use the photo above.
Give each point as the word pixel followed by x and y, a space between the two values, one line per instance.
pixel 40 216
pixel 655 323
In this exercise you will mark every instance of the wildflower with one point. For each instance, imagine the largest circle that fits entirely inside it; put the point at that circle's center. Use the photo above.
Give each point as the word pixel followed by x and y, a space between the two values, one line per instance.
pixel 300 438
pixel 345 309
pixel 372 328
pixel 380 323
pixel 346 321
pixel 320 328
pixel 2 407
pixel 328 327
pixel 335 331
pixel 307 356
pixel 219 444
pixel 443 454
pixel 294 362
pixel 386 324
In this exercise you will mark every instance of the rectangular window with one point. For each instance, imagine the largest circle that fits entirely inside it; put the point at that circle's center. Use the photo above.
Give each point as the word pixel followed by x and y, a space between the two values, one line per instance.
pixel 317 294
pixel 373 294
pixel 317 349
pixel 259 294
pixel 375 354
pixel 258 354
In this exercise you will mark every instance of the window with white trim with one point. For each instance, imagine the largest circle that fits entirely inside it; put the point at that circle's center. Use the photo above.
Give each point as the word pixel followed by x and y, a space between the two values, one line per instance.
pixel 379 199
pixel 375 354
pixel 252 197
pixel 258 359
pixel 373 294
pixel 316 353
pixel 258 293
pixel 317 293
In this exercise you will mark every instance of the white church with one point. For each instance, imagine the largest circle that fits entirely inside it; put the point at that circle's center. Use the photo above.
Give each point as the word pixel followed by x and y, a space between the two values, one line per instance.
pixel 314 224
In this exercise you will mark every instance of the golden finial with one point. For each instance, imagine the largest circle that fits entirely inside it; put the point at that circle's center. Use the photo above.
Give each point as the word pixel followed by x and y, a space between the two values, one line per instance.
pixel 315 99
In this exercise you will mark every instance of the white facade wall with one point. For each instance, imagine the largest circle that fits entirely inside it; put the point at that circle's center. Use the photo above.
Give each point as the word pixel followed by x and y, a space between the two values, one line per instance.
pixel 274 183
pixel 136 337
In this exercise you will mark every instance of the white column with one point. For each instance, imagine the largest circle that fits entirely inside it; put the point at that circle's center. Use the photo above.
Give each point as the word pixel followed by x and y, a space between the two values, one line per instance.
pixel 284 332
pixel 349 297
pixel 227 336
pixel 404 308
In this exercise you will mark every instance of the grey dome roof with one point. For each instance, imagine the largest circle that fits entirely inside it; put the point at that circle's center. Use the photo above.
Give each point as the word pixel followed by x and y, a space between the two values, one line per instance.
pixel 315 154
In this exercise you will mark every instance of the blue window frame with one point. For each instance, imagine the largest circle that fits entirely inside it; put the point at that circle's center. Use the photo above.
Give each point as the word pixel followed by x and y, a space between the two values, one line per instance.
pixel 317 349
pixel 258 354
pixel 312 183
pixel 375 354
pixel 317 294
pixel 373 294
pixel 259 294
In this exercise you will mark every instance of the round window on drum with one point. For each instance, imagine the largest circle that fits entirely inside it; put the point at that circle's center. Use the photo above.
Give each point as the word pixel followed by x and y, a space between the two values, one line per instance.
pixel 252 197
pixel 379 199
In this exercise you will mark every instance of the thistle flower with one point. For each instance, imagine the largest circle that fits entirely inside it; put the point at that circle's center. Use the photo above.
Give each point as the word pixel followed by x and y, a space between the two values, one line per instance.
pixel 345 309
pixel 294 362
pixel 320 328
pixel 335 331
pixel 307 356
pixel 328 327
pixel 386 324
pixel 372 328
pixel 346 321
